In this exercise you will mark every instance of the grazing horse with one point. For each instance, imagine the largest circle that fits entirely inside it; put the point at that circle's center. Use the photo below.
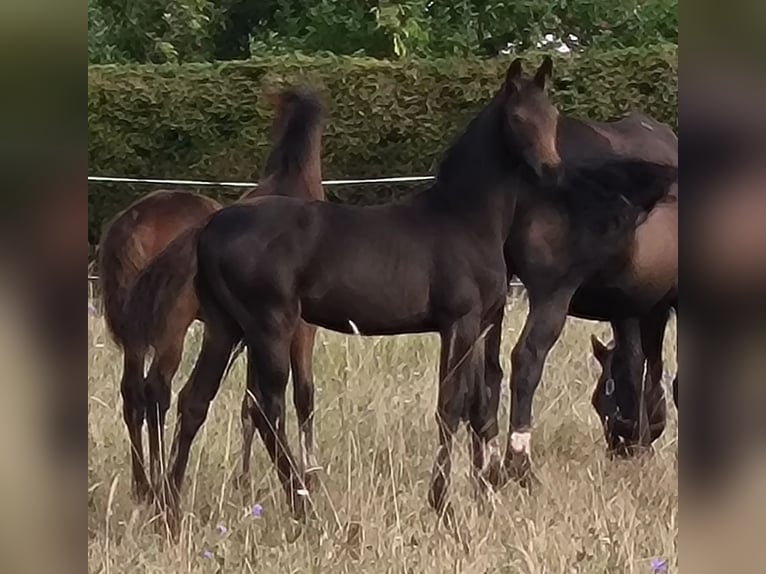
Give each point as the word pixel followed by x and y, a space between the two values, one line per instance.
pixel 430 263
pixel 609 403
pixel 152 231
pixel 639 297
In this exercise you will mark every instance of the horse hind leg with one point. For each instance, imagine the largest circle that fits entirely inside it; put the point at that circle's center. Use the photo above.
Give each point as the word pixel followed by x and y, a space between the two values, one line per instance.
pixel 248 434
pixel 485 422
pixel 458 370
pixel 652 338
pixel 457 374
pixel 193 404
pixel 158 390
pixel 484 402
pixel 268 368
pixel 132 388
pixel 301 359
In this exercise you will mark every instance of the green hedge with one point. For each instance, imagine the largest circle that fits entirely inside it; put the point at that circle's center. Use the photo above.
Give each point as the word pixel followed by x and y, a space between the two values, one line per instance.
pixel 211 121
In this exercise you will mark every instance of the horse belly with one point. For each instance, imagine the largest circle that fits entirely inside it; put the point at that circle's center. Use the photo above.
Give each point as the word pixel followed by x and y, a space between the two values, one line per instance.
pixel 369 308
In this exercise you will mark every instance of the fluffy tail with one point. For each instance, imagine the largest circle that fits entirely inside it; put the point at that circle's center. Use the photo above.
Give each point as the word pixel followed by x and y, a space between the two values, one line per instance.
pixel 159 288
pixel 120 260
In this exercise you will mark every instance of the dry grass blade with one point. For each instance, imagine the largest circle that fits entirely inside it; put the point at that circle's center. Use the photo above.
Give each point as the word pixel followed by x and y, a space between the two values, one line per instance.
pixel 376 437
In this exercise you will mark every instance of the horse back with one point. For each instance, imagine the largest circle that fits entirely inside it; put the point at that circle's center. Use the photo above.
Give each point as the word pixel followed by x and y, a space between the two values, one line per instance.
pixel 136 236
pixel 635 136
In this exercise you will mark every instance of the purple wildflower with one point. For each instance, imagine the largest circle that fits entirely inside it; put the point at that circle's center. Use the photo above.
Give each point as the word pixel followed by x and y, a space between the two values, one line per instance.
pixel 659 565
pixel 208 555
pixel 257 510
pixel 222 529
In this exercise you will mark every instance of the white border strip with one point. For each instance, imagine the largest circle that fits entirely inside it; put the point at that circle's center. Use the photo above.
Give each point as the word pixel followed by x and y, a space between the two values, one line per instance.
pixel 199 183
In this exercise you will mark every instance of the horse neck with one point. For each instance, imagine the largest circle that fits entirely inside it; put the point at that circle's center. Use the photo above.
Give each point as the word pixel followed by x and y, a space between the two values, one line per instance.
pixel 481 188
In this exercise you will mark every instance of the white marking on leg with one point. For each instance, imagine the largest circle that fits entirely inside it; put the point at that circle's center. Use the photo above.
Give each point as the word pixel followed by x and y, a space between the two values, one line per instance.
pixel 521 442
pixel 148 360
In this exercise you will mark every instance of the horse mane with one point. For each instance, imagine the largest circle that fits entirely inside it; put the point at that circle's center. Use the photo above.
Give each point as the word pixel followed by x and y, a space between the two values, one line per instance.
pixel 606 194
pixel 293 166
pixel 480 156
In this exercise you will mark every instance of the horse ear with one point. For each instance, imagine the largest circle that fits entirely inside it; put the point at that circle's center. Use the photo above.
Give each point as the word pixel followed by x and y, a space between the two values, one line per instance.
pixel 513 74
pixel 544 72
pixel 600 351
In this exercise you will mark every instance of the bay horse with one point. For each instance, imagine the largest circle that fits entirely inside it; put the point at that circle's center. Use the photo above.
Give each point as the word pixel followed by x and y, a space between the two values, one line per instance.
pixel 629 398
pixel 150 232
pixel 432 262
pixel 614 291
pixel 643 285
pixel 636 299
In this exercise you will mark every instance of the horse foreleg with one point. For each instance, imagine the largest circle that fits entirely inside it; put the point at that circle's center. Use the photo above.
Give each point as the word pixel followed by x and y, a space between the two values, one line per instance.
pixel 545 321
pixel 301 359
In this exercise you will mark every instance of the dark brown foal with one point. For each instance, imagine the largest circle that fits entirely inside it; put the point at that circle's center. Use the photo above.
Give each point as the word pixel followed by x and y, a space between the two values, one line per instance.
pixel 431 263
pixel 153 235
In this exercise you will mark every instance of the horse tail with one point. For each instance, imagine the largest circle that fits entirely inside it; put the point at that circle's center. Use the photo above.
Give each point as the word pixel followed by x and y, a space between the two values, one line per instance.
pixel 120 259
pixel 160 288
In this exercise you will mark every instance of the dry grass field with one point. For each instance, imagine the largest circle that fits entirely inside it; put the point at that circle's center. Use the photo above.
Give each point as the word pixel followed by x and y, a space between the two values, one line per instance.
pixel 376 438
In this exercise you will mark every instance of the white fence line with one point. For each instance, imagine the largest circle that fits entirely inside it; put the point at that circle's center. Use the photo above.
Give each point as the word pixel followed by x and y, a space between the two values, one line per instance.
pixel 202 183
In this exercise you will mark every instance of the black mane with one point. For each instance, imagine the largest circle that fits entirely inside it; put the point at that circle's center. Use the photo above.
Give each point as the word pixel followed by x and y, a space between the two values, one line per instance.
pixel 293 146
pixel 479 158
pixel 604 195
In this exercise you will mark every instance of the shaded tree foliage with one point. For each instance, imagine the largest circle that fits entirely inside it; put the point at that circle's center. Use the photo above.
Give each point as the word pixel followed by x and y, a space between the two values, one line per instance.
pixel 157 31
